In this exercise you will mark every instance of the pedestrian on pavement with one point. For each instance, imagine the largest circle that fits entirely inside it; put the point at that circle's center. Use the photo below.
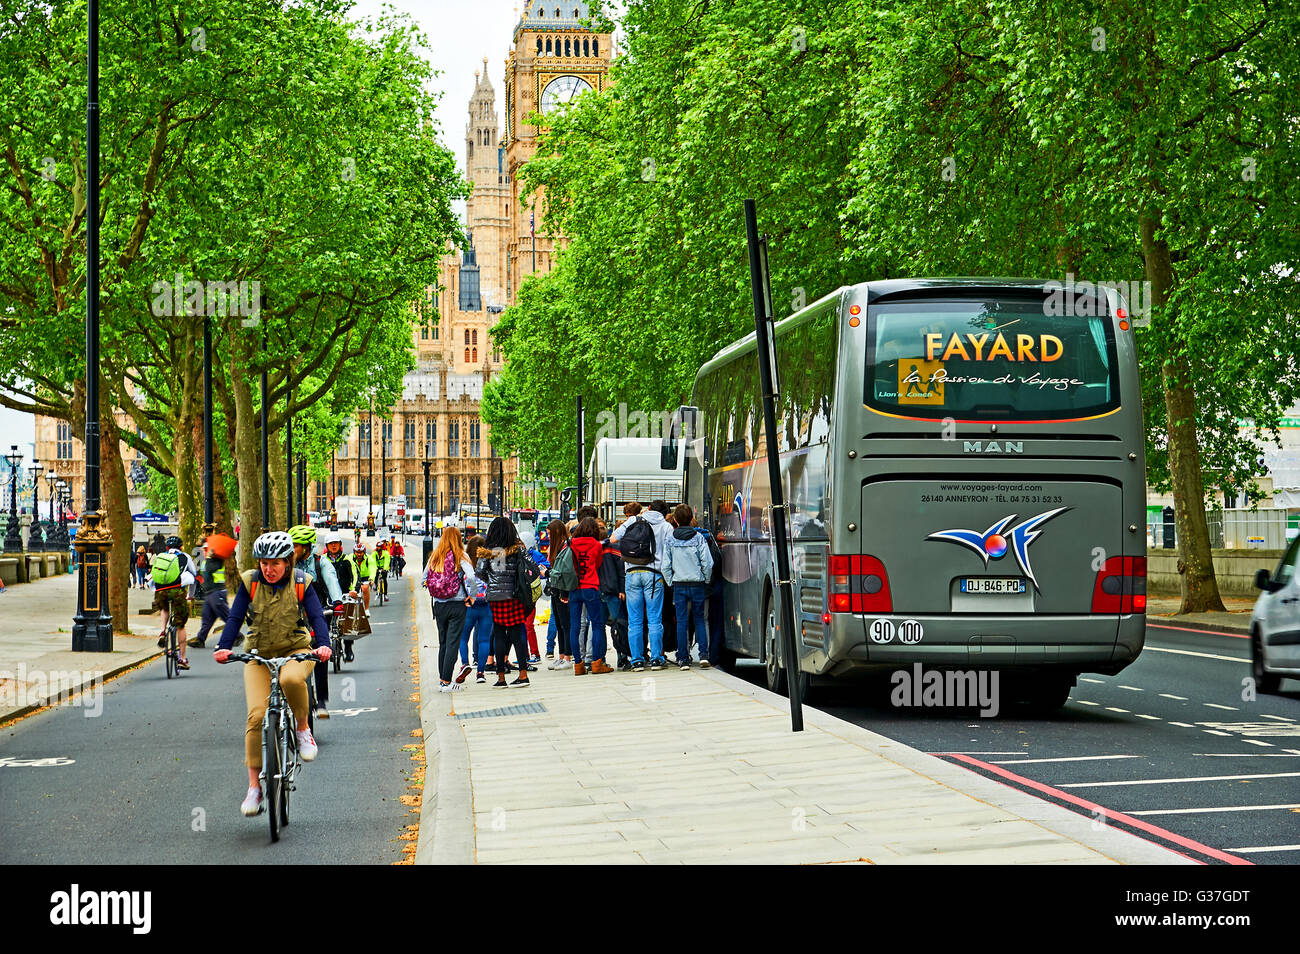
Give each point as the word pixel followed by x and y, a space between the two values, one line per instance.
pixel 558 535
pixel 140 567
pixel 642 540
pixel 688 569
pixel 612 575
pixel 449 578
pixel 478 620
pixel 589 651
pixel 275 599
pixel 500 567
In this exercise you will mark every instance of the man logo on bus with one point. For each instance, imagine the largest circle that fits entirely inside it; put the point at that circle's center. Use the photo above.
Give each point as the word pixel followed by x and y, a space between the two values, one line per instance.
pixel 994 542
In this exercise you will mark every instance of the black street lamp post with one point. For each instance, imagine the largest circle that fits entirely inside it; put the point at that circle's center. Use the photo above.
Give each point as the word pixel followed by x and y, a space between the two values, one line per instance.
pixel 35 538
pixel 428 514
pixel 13 534
pixel 209 524
pixel 92 627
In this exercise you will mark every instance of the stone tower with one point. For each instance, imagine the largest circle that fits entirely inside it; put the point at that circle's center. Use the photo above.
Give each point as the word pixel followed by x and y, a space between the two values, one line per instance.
pixel 486 212
pixel 556 57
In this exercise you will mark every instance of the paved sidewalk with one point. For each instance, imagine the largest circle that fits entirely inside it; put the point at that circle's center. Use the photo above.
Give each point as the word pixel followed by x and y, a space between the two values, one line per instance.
pixel 1163 611
pixel 37 664
pixel 701 767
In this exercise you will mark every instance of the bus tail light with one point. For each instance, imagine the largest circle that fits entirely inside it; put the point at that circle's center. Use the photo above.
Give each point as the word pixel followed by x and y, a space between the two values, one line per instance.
pixel 1121 586
pixel 858 584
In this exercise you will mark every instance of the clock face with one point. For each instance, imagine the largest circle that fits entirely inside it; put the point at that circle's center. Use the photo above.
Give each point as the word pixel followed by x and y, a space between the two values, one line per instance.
pixel 561 90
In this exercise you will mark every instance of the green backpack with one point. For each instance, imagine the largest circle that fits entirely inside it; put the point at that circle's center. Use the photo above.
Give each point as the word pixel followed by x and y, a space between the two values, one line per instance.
pixel 166 569
pixel 564 575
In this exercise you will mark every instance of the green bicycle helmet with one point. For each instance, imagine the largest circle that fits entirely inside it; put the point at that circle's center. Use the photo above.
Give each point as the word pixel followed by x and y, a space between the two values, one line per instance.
pixel 303 536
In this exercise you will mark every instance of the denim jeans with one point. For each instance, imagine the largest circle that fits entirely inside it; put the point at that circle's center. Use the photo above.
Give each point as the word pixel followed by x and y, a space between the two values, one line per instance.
pixel 690 601
pixel 550 632
pixel 617 618
pixel 590 601
pixel 645 609
pixel 478 627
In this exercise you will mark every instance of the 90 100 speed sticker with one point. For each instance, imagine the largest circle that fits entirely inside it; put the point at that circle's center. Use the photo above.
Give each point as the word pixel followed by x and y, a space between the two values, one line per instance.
pixel 909 631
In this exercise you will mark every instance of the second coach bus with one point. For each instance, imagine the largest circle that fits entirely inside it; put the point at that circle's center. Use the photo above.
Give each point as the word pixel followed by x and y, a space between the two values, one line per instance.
pixel 964 470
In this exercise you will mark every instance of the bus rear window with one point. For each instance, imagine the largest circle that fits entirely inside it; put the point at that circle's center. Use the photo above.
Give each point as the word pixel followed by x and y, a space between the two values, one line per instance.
pixel 1000 359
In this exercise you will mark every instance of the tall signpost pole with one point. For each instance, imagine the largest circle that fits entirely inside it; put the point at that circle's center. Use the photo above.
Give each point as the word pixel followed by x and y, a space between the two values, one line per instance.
pixel 769 381
pixel 266 450
pixel 92 627
pixel 582 440
pixel 289 479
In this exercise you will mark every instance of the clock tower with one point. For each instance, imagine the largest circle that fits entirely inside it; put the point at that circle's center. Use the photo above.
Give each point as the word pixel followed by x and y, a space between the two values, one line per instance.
pixel 556 58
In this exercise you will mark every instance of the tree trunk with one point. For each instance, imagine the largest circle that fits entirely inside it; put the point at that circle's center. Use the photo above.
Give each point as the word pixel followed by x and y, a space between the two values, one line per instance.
pixel 248 464
pixel 114 499
pixel 1200 588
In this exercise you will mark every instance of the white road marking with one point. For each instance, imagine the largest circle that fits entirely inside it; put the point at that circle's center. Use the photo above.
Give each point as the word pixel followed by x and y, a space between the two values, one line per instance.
pixel 1215 705
pixel 1170 781
pixel 1258 742
pixel 1188 652
pixel 1070 758
pixel 1228 808
pixel 1141 716
pixel 1168 696
pixel 1265 715
pixel 1115 709
pixel 1100 682
pixel 1185 725
pixel 985 753
pixel 1246 851
pixel 1215 732
pixel 1134 688
pixel 1085 702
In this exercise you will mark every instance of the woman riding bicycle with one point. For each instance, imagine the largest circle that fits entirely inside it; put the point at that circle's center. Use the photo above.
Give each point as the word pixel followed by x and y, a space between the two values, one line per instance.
pixel 269 598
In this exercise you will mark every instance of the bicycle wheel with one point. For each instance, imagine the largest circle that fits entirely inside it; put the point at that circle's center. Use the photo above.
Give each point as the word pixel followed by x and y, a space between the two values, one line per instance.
pixel 288 759
pixel 271 769
pixel 170 652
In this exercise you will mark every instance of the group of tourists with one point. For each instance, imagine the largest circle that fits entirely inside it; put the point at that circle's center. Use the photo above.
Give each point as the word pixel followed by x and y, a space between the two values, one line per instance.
pixel 649 581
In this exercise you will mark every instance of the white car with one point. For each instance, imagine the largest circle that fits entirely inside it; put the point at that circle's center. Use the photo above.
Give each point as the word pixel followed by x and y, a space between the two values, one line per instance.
pixel 1275 624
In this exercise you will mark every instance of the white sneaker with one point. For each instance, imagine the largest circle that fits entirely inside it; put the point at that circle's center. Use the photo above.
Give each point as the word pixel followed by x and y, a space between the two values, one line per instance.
pixel 252 803
pixel 448 687
pixel 306 745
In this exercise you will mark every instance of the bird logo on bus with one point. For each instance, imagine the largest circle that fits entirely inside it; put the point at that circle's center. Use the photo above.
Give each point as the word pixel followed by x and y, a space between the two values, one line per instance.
pixel 995 542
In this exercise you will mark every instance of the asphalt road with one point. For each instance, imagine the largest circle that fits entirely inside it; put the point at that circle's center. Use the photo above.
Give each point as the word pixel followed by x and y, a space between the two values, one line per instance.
pixel 1170 744
pixel 158 776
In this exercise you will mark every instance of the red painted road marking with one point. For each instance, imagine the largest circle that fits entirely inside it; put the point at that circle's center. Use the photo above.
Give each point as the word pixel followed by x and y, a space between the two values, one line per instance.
pixel 1109 813
pixel 1203 632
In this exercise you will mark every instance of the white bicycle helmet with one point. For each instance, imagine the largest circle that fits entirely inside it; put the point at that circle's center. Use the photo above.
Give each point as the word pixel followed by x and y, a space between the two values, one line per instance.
pixel 328 537
pixel 275 545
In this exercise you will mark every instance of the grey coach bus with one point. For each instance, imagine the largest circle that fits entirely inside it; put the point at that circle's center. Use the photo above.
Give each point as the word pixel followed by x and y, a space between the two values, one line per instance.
pixel 964 470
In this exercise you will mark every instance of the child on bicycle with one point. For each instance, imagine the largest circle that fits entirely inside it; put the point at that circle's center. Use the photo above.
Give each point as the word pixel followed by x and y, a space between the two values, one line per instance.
pixel 283 618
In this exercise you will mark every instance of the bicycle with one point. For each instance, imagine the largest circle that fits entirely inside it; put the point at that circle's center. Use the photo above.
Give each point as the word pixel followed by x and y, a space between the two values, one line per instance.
pixel 381 585
pixel 336 637
pixel 172 653
pixel 280 762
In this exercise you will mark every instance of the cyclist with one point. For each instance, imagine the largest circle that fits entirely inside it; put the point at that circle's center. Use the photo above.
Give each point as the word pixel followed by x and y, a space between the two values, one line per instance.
pixel 383 560
pixel 212 584
pixel 345 572
pixel 399 555
pixel 282 619
pixel 363 571
pixel 321 575
pixel 172 572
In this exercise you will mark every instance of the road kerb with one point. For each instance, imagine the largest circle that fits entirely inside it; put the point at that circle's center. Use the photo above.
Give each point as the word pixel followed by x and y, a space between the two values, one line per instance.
pixel 11 715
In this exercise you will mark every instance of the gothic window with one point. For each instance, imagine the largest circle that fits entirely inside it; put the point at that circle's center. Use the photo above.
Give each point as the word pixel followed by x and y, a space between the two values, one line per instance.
pixel 595 48
pixel 548 46
pixel 567 47
pixel 467 355
pixel 466 336
pixel 410 490
pixel 586 48
pixel 64 442
pixel 386 435
pixel 430 437
pixel 475 341
pixel 576 14
pixel 388 486
pixel 539 46
pixel 341 486
pixel 343 449
pixel 363 439
pixel 475 359
pixel 408 436
pixel 557 13
pixel 453 439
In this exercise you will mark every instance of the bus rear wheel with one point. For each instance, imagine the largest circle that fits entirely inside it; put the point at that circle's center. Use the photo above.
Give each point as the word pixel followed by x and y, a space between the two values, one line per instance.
pixel 774 673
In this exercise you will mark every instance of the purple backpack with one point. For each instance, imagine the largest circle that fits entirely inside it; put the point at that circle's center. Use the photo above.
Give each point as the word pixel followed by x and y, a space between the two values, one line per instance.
pixel 445 585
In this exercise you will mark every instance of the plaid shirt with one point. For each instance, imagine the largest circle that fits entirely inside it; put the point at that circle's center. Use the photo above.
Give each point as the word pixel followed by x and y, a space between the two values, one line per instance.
pixel 508 612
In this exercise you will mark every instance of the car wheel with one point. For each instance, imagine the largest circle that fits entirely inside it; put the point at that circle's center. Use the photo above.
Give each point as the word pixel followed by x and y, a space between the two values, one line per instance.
pixel 1265 682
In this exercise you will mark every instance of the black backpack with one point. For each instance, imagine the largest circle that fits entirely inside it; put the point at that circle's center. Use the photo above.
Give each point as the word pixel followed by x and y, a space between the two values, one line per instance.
pixel 638 543
pixel 526 577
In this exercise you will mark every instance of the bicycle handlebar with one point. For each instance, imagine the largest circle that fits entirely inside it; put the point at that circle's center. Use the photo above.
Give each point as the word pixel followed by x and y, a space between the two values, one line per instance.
pixel 270 661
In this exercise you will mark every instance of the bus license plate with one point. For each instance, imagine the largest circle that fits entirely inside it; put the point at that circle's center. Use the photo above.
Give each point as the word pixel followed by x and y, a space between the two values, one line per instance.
pixel 992 584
